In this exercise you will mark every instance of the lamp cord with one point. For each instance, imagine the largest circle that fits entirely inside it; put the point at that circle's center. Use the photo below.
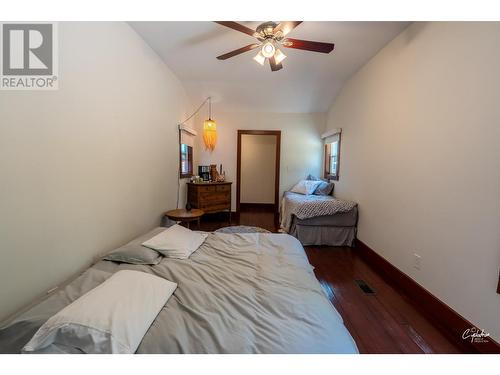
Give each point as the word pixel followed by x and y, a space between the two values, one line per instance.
pixel 178 173
pixel 209 99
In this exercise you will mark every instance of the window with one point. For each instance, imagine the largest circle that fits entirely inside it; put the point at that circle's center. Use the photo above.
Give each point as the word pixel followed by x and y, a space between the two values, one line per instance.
pixel 332 157
pixel 186 161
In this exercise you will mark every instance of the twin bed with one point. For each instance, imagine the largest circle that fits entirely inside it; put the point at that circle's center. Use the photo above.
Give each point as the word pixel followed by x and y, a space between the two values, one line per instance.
pixel 319 219
pixel 238 293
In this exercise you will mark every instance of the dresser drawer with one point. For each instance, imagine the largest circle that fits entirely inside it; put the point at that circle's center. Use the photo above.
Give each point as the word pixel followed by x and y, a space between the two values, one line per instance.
pixel 206 189
pixel 224 188
pixel 210 207
pixel 214 198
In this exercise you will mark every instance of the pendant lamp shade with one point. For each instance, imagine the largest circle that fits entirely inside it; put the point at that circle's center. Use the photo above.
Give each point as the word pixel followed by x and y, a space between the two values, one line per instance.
pixel 210 134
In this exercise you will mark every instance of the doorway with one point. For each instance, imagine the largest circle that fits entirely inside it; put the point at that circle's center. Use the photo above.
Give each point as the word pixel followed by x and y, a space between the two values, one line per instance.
pixel 258 169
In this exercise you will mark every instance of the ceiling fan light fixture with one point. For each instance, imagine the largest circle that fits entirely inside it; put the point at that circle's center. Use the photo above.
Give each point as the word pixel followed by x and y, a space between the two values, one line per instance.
pixel 272 36
pixel 260 58
pixel 279 56
pixel 268 49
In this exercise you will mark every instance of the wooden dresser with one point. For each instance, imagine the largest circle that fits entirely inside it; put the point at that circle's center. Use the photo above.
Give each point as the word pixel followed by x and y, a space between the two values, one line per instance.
pixel 210 196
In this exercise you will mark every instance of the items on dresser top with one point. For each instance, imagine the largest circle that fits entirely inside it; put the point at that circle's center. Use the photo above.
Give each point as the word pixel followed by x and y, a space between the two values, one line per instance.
pixel 209 173
pixel 204 172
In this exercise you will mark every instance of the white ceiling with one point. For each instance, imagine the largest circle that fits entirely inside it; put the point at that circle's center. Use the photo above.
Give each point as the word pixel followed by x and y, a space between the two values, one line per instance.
pixel 308 82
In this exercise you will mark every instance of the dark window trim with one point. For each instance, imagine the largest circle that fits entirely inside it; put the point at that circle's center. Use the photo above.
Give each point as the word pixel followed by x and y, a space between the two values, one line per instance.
pixel 327 156
pixel 190 160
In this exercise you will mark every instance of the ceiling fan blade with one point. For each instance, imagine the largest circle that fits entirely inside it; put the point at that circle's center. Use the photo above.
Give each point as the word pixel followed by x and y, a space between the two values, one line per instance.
pixel 286 26
pixel 308 45
pixel 274 66
pixel 237 51
pixel 237 26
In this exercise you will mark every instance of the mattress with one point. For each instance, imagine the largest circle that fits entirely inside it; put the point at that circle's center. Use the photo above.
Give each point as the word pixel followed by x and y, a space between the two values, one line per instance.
pixel 238 293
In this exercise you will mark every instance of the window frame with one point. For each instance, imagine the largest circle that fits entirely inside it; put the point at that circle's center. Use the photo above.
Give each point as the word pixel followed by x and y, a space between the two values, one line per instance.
pixel 328 160
pixel 189 158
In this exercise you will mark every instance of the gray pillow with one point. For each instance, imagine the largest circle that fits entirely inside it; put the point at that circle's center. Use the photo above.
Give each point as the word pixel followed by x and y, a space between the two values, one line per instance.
pixel 135 253
pixel 312 178
pixel 324 188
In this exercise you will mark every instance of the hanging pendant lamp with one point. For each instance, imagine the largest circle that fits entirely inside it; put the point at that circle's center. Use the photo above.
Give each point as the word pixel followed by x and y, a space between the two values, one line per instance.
pixel 210 129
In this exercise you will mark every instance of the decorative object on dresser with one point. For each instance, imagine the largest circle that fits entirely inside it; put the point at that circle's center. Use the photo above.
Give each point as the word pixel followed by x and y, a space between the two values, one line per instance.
pixel 185 216
pixel 213 172
pixel 204 172
pixel 217 176
pixel 210 197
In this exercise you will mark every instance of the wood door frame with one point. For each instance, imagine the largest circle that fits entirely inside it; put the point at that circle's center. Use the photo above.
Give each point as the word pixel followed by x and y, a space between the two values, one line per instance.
pixel 277 134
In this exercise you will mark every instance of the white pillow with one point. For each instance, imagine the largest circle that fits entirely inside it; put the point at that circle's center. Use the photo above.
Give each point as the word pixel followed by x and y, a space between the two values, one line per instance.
pixel 176 242
pixel 111 318
pixel 306 187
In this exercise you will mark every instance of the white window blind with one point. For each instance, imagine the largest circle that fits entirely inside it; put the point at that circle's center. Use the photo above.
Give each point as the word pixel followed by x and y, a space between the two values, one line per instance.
pixel 187 135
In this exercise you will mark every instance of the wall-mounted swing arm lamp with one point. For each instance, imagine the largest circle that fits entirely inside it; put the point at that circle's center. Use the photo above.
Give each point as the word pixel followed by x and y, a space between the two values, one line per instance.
pixel 209 136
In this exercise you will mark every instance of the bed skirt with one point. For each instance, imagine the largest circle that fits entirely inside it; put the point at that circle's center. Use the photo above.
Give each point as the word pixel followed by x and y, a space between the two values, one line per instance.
pixel 334 230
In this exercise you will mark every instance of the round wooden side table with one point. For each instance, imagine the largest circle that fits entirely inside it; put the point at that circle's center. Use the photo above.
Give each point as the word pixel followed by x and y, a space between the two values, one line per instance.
pixel 185 216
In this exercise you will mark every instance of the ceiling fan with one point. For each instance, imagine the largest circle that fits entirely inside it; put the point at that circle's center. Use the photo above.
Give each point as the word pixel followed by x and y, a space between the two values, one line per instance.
pixel 271 36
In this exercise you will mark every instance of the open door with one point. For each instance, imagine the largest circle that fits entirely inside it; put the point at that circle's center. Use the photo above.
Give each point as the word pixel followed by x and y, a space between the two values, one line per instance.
pixel 258 169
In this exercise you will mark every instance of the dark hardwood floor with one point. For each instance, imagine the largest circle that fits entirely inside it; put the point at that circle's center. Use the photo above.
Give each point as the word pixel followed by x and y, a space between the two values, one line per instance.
pixel 384 322
pixel 256 217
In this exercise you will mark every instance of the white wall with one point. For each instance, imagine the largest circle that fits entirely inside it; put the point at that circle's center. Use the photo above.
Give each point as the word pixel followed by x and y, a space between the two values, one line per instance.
pixel 420 153
pixel 88 167
pixel 301 147
pixel 258 168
